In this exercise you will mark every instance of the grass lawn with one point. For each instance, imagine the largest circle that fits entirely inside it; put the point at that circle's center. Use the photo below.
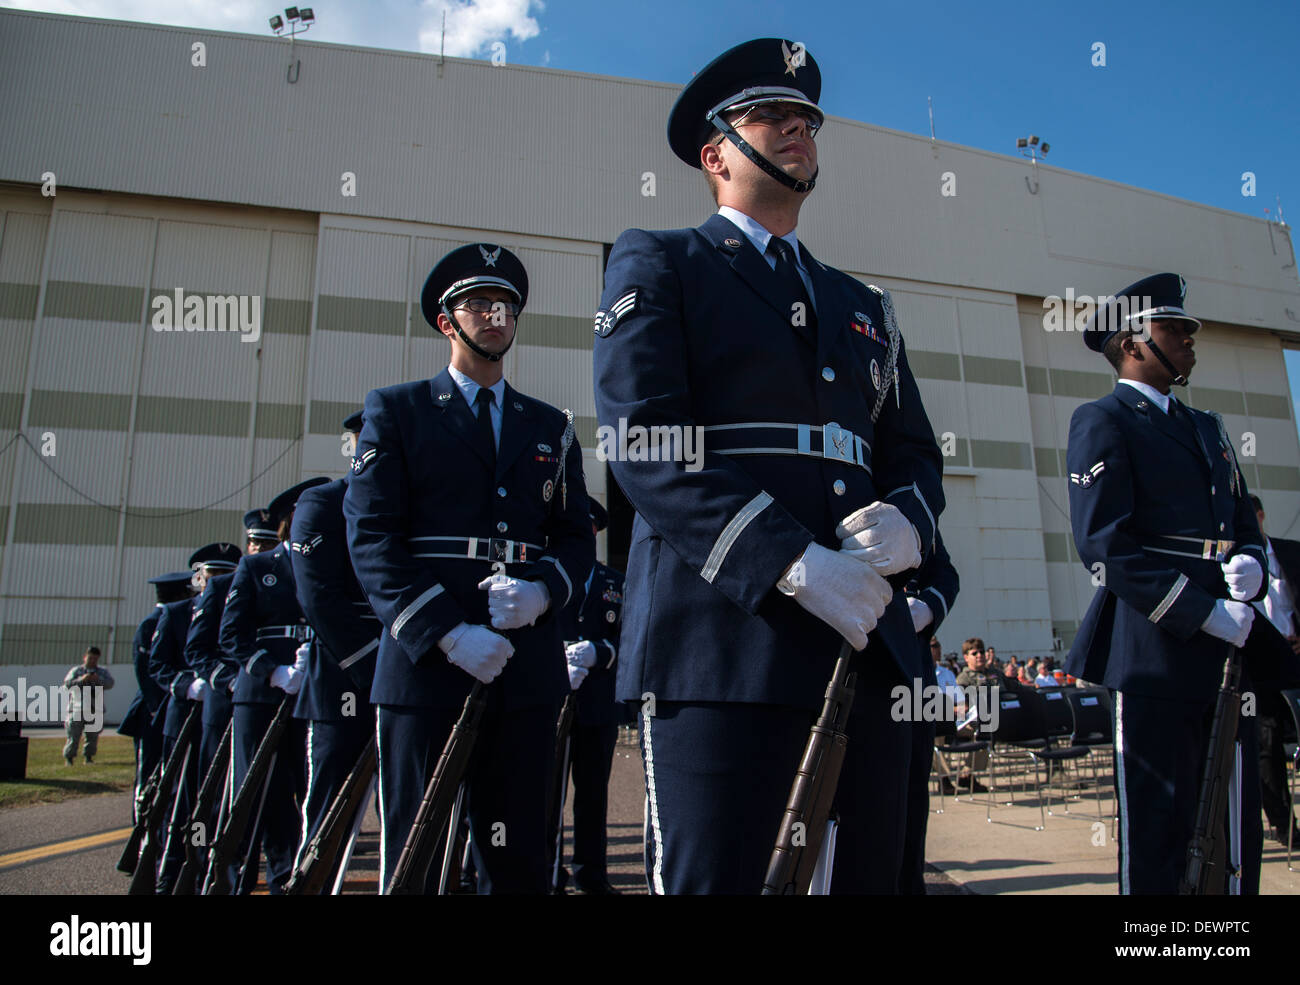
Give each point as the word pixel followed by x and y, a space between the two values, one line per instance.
pixel 50 779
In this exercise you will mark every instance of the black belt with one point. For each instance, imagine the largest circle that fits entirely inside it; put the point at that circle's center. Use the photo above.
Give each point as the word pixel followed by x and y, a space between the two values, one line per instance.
pixel 828 441
pixel 1200 548
pixel 300 633
pixel 475 549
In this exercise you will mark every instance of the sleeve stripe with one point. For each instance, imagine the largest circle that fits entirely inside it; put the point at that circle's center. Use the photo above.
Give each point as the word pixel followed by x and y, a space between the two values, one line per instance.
pixel 730 533
pixel 568 585
pixel 942 601
pixel 1169 599
pixel 345 664
pixel 924 505
pixel 413 608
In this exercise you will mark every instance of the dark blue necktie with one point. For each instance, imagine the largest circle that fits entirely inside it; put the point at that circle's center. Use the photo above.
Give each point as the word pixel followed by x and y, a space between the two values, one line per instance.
pixel 483 428
pixel 787 273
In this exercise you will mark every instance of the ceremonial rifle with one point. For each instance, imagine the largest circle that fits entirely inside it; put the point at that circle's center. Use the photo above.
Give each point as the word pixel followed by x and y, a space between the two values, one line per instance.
pixel 327 844
pixel 226 846
pixel 799 839
pixel 560 782
pixel 412 868
pixel 141 851
pixel 1207 851
pixel 214 784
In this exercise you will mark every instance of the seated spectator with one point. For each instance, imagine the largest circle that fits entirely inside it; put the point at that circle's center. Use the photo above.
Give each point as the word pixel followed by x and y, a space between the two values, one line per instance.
pixel 1024 677
pixel 1046 676
pixel 945 678
pixel 978 671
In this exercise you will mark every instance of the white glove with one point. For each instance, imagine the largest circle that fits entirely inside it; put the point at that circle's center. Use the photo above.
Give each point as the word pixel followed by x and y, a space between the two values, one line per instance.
pixel 513 603
pixel 1229 621
pixel 880 535
pixel 922 614
pixel 582 653
pixel 840 590
pixel 477 650
pixel 300 658
pixel 287 678
pixel 1243 575
pixel 577 670
pixel 197 687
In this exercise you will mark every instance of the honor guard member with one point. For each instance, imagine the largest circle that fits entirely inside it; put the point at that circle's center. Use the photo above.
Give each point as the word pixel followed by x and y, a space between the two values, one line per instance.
pixel 739 592
pixel 143 721
pixel 335 697
pixel 1160 510
pixel 453 478
pixel 262 628
pixel 169 668
pixel 591 649
pixel 930 595
pixel 203 647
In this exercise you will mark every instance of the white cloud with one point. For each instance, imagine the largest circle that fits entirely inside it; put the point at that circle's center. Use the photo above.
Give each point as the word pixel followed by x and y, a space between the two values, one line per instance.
pixel 231 15
pixel 472 25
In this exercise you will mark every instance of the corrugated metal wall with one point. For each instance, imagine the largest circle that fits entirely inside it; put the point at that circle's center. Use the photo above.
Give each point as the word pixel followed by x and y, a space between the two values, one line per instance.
pixel 145 443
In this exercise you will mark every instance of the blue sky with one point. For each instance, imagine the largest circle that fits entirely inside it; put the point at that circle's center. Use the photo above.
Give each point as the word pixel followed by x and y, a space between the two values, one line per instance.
pixel 1192 94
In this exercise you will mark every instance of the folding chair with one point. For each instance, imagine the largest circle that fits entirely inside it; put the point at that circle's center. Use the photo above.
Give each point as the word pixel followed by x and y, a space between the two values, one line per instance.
pixel 1292 749
pixel 1094 729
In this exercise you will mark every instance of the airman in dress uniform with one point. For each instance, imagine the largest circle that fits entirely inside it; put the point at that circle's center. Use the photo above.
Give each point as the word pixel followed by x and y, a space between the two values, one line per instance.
pixel 453 478
pixel 262 628
pixel 591 649
pixel 143 720
pixel 203 647
pixel 746 573
pixel 1160 511
pixel 171 672
pixel 930 595
pixel 335 697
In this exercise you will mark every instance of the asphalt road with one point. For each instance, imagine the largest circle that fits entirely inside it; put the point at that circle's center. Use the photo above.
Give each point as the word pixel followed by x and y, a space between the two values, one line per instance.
pixel 69 863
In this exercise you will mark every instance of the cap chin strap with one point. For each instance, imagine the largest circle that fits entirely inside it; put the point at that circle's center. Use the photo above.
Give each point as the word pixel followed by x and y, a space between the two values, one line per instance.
pixel 494 357
pixel 764 165
pixel 1176 378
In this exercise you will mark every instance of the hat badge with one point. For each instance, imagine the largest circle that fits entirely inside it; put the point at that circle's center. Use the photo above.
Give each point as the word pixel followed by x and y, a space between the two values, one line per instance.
pixel 490 258
pixel 794 60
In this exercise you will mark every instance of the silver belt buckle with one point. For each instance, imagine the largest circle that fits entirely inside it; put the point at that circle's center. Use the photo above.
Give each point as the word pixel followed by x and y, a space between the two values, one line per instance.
pixel 838 444
pixel 499 549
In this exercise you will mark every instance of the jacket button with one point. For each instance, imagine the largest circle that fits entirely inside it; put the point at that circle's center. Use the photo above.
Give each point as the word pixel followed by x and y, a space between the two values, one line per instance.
pixel 1220 528
pixel 1211 490
pixel 501 491
pixel 839 487
pixel 828 374
pixel 502 527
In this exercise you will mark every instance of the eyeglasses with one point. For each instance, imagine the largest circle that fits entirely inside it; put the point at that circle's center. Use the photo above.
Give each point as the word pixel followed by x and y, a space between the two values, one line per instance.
pixel 485 306
pixel 776 115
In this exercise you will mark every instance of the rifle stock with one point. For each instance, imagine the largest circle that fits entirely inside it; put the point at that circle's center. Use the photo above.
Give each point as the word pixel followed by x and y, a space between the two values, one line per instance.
pixel 803 825
pixel 213 783
pixel 226 845
pixel 1206 852
pixel 144 869
pixel 326 846
pixel 412 868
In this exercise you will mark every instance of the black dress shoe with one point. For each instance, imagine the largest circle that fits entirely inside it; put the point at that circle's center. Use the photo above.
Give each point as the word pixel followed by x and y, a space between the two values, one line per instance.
pixel 597 889
pixel 1279 835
